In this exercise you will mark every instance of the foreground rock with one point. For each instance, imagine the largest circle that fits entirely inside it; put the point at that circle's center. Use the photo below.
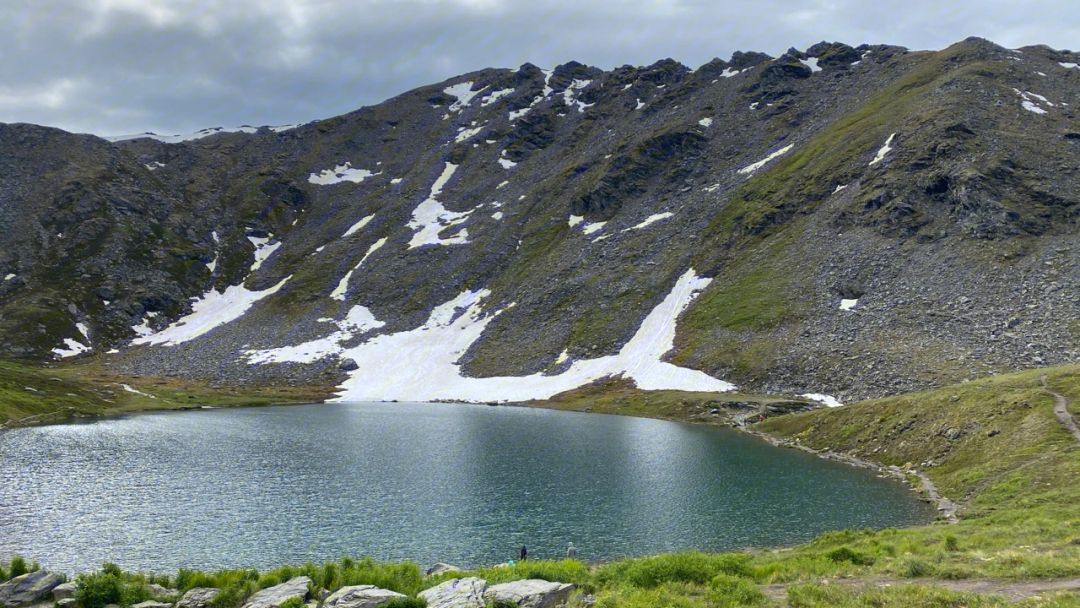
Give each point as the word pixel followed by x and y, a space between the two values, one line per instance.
pixel 199 597
pixel 360 596
pixel 64 591
pixel 275 596
pixel 152 604
pixel 158 592
pixel 456 593
pixel 29 588
pixel 532 593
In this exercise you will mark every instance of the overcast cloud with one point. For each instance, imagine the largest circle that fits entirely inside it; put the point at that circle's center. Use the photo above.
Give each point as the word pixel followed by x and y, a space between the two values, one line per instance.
pixel 174 66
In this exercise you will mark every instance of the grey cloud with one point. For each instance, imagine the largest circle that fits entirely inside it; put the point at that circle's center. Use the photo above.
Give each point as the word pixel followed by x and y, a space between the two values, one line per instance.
pixel 118 66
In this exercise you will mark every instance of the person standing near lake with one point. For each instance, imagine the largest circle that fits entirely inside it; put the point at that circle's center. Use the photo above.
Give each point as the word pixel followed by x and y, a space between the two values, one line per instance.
pixel 571 551
pixel 524 553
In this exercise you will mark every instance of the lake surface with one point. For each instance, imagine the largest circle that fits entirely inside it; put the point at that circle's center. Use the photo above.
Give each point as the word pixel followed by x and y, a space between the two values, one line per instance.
pixel 465 484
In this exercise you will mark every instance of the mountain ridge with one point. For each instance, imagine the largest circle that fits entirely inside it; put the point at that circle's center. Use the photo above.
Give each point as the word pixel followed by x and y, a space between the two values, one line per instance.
pixel 955 244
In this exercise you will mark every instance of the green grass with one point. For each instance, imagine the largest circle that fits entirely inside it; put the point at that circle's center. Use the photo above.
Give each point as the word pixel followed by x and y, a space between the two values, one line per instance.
pixel 31 394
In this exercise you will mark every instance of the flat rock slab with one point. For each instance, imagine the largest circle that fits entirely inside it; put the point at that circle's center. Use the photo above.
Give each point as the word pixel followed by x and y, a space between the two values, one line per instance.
pixel 152 604
pixel 273 597
pixel 198 597
pixel 360 596
pixel 64 591
pixel 157 591
pixel 531 593
pixel 29 588
pixel 456 593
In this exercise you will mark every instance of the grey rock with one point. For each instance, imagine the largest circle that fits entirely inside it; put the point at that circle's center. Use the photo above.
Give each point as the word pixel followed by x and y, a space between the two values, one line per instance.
pixel 199 597
pixel 67 602
pixel 272 597
pixel 456 593
pixel 157 591
pixel 29 588
pixel 360 596
pixel 441 568
pixel 64 591
pixel 531 593
pixel 348 365
pixel 152 604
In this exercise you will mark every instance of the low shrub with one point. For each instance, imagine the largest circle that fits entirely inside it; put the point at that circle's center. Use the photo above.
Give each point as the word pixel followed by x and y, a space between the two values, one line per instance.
pixel 728 591
pixel 849 555
pixel 110 586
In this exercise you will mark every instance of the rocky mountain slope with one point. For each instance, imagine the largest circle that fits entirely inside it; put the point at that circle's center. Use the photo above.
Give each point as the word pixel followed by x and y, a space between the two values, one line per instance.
pixel 838 221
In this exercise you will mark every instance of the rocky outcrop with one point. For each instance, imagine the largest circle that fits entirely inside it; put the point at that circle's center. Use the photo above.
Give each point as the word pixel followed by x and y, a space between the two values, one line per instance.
pixel 64 591
pixel 531 593
pixel 152 604
pixel 360 596
pixel 456 593
pixel 199 597
pixel 441 568
pixel 275 596
pixel 29 588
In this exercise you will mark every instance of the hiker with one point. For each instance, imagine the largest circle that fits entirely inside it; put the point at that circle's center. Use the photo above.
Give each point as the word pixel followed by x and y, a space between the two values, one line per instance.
pixel 571 551
pixel 524 553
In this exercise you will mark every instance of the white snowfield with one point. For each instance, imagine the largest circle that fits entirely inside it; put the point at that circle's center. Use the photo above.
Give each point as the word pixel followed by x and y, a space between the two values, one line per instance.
pixel 569 95
pixel 463 94
pixel 761 163
pixel 652 219
pixel 421 364
pixel 430 217
pixel 812 63
pixel 358 321
pixel 71 348
pixel 339 174
pixel 828 400
pixel 1029 103
pixel 263 250
pixel 343 284
pixel 212 310
pixel 1068 66
pixel 885 149
pixel 358 225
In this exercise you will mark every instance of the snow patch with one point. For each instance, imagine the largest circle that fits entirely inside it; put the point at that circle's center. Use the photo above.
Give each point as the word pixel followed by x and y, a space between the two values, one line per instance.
pixel 761 163
pixel 839 188
pixel 591 227
pixel 498 215
pixel 8 277
pixel 1069 66
pixel 569 94
pixel 507 163
pixel 812 63
pixel 467 133
pixel 358 225
pixel 494 96
pixel 339 174
pixel 175 139
pixel 848 303
pixel 263 250
pixel 640 104
pixel 209 312
pixel 705 122
pixel 652 219
pixel 462 93
pixel 880 156
pixel 575 220
pixel 395 181
pixel 154 166
pixel 729 72
pixel 430 217
pixel 71 348
pixel 343 284
pixel 358 321
pixel 828 400
pixel 128 388
pixel 421 364
pixel 501 184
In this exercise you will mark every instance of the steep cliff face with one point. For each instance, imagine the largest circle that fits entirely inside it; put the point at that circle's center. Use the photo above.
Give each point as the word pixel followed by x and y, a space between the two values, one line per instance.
pixel 837 220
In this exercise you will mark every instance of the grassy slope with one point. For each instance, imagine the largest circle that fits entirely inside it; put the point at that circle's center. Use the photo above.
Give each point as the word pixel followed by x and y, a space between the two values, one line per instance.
pixel 39 395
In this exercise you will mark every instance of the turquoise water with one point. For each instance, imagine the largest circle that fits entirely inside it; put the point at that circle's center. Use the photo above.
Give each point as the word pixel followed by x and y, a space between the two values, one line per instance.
pixel 465 484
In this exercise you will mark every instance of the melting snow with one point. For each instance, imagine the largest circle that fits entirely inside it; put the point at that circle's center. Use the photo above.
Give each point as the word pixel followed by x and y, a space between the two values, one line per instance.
pixel 421 364
pixel 467 133
pixel 358 321
pixel 575 220
pixel 72 349
pixel 652 219
pixel 880 156
pixel 761 163
pixel 463 94
pixel 175 139
pixel 343 284
pixel 848 304
pixel 1030 105
pixel 495 96
pixel 640 104
pixel 828 400
pixel 729 72
pixel 839 188
pixel 128 388
pixel 501 184
pixel 507 163
pixel 358 225
pixel 212 310
pixel 563 356
pixel 592 227
pixel 498 215
pixel 9 277
pixel 430 217
pixel 263 250
pixel 812 63
pixel 705 122
pixel 395 181
pixel 154 165
pixel 516 114
pixel 1075 66
pixel 340 173
pixel 568 94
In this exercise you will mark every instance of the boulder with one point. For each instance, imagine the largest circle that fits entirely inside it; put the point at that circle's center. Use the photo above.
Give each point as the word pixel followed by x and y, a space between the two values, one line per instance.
pixel 531 593
pixel 29 588
pixel 64 591
pixel 275 596
pixel 441 568
pixel 157 591
pixel 151 604
pixel 456 593
pixel 67 602
pixel 348 365
pixel 199 597
pixel 360 596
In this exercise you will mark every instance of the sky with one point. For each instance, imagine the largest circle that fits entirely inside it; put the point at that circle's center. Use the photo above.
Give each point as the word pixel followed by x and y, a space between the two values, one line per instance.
pixel 113 67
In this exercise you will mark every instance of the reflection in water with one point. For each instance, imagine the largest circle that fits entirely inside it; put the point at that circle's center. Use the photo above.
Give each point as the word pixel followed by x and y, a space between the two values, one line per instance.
pixel 428 482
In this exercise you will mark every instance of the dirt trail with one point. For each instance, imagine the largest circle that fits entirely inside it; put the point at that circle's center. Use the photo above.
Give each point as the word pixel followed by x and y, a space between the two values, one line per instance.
pixel 1010 590
pixel 1061 409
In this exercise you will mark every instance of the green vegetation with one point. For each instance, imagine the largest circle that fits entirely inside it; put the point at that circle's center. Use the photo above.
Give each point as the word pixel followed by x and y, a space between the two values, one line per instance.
pixel 16 567
pixel 39 395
